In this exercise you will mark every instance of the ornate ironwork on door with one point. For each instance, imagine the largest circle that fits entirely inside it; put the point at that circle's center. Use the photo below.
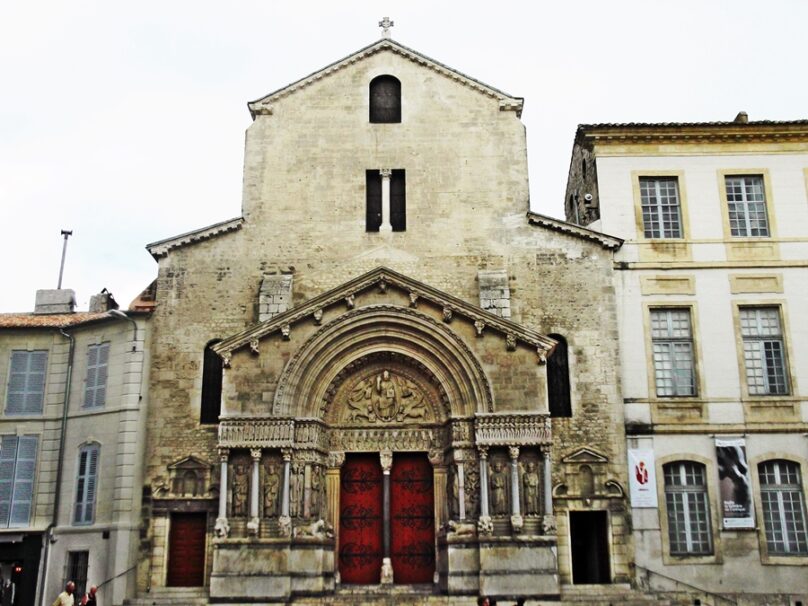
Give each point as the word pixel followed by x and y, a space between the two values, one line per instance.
pixel 360 519
pixel 412 510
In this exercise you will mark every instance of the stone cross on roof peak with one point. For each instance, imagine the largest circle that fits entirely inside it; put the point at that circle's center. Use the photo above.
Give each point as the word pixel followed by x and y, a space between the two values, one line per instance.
pixel 386 24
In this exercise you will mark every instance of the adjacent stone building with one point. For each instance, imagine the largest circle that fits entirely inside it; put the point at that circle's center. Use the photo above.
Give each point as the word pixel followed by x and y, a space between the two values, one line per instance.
pixel 73 388
pixel 386 370
pixel 711 284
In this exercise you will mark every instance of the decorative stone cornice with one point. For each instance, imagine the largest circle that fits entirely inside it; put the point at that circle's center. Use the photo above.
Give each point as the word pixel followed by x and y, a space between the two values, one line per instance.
pixel 452 306
pixel 605 240
pixel 162 247
pixel 263 106
pixel 512 429
pixel 696 133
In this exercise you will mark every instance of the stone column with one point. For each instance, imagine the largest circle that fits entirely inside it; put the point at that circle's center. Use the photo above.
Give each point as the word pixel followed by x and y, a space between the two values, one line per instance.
pixel 439 487
pixel 484 525
pixel 386 226
pixel 517 522
pixel 284 521
pixel 255 489
pixel 548 520
pixel 222 528
pixel 461 485
pixel 386 457
pixel 332 477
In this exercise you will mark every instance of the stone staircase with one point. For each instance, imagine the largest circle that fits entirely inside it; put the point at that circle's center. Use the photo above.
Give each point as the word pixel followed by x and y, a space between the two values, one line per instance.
pixel 420 595
pixel 171 596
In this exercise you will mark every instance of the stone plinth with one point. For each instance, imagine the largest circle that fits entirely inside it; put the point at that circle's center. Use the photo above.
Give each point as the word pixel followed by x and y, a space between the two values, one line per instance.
pixel 252 571
pixel 513 568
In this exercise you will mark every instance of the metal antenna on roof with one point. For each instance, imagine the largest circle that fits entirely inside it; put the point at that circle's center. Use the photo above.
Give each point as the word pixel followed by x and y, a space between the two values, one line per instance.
pixel 66 234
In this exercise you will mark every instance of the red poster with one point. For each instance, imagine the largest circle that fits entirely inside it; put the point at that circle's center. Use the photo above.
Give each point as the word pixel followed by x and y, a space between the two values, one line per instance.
pixel 360 519
pixel 412 510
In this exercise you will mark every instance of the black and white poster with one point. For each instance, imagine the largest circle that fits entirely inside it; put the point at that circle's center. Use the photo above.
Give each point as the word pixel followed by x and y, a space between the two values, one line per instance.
pixel 735 487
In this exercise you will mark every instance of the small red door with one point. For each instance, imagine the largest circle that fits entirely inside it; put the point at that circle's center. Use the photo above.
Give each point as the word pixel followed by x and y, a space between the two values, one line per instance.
pixel 360 519
pixel 412 509
pixel 186 550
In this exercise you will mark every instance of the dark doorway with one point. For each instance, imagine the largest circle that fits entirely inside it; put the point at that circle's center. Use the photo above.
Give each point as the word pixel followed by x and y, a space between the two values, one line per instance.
pixel 186 550
pixel 590 547
pixel 19 562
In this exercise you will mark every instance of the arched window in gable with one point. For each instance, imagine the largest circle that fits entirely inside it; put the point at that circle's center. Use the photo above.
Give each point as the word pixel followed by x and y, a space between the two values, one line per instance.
pixel 558 380
pixel 385 100
pixel 211 386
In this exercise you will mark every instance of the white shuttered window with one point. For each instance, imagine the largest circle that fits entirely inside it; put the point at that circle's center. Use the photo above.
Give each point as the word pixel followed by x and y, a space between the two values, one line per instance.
pixel 26 382
pixel 95 390
pixel 86 485
pixel 17 468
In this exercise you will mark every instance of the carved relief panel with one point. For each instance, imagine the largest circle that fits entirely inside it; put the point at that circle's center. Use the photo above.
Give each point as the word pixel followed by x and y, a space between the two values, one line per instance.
pixel 530 482
pixel 384 390
pixel 240 484
pixel 499 483
pixel 271 484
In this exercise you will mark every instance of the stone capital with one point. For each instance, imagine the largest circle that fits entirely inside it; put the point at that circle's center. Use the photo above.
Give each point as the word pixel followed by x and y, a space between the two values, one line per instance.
pixel 286 453
pixel 513 452
pixel 255 453
pixel 385 172
pixel 224 455
pixel 386 457
pixel 436 457
pixel 459 456
pixel 336 458
pixel 483 450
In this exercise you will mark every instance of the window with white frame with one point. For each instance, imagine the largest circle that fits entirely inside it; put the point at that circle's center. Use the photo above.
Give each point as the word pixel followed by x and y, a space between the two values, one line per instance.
pixel 26 382
pixel 86 484
pixel 688 508
pixel 783 508
pixel 17 468
pixel 661 213
pixel 746 202
pixel 672 339
pixel 763 351
pixel 95 388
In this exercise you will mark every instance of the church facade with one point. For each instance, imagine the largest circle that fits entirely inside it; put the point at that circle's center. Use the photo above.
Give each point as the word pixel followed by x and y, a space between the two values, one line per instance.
pixel 386 371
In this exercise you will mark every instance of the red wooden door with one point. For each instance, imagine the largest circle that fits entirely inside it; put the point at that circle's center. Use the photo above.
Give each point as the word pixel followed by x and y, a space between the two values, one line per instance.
pixel 412 512
pixel 186 550
pixel 360 519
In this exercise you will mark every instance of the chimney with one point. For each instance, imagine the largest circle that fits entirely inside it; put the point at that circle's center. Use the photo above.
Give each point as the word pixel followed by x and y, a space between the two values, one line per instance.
pixel 742 118
pixel 103 301
pixel 57 301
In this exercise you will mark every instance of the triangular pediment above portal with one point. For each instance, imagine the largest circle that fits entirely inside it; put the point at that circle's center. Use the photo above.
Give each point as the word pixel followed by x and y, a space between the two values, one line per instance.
pixel 384 287
pixel 585 455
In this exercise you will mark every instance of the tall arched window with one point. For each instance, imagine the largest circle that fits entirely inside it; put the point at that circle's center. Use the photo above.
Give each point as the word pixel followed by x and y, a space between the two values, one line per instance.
pixel 558 380
pixel 385 99
pixel 688 508
pixel 783 508
pixel 211 386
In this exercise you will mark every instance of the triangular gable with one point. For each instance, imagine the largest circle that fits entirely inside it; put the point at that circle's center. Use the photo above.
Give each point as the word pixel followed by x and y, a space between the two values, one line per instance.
pixel 385 278
pixel 584 455
pixel 506 102
pixel 190 462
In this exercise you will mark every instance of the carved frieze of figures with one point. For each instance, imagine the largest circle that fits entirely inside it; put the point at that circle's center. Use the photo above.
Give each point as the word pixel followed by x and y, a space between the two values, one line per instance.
pixel 240 488
pixel 374 439
pixel 273 480
pixel 512 429
pixel 385 397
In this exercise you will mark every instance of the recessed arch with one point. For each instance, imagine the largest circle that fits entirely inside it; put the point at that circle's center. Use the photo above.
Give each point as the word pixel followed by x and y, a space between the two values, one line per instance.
pixel 304 383
pixel 384 96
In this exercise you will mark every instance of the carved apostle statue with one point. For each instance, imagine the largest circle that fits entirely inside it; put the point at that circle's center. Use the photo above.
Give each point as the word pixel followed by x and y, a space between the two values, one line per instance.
pixel 499 489
pixel 240 490
pixel 530 488
pixel 272 485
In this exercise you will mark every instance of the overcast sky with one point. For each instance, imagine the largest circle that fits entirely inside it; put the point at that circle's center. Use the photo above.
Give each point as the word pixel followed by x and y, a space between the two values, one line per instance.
pixel 125 121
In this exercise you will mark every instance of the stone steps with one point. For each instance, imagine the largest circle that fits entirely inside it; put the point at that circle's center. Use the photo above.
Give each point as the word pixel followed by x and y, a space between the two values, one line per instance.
pixel 171 596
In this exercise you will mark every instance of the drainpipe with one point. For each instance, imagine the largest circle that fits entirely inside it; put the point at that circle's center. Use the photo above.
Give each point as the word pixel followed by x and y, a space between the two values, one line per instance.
pixel 117 313
pixel 59 464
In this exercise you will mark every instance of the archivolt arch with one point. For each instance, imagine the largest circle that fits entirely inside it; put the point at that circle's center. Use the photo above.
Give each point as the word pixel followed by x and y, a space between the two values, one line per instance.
pixel 304 383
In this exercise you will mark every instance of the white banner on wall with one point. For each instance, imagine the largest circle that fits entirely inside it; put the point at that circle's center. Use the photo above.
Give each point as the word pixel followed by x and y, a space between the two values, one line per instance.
pixel 735 487
pixel 642 478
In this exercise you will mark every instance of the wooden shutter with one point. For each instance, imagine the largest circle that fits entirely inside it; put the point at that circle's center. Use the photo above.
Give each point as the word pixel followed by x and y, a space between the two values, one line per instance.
pixel 86 484
pixel 8 456
pixel 398 200
pixel 23 481
pixel 26 382
pixel 95 390
pixel 373 191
